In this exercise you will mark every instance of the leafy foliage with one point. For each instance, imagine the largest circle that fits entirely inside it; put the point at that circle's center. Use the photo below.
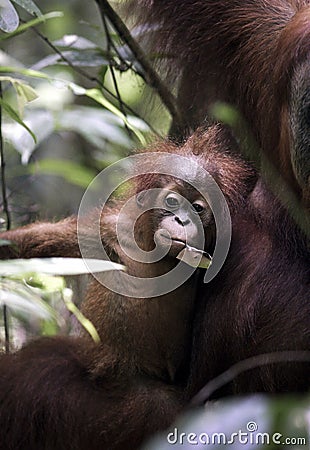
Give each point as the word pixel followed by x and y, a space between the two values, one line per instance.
pixel 29 295
pixel 48 97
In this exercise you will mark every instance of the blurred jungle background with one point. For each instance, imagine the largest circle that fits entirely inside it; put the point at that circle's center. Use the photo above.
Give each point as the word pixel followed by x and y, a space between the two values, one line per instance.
pixel 73 100
pixel 78 125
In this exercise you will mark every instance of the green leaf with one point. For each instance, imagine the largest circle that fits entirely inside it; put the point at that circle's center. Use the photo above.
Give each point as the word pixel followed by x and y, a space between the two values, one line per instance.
pixel 21 303
pixel 96 125
pixel 42 124
pixel 225 113
pixel 21 298
pixel 9 19
pixel 48 283
pixel 56 266
pixel 30 24
pixel 29 6
pixel 26 72
pixel 13 114
pixel 81 58
pixel 86 323
pixel 98 96
pixel 24 92
pixel 73 41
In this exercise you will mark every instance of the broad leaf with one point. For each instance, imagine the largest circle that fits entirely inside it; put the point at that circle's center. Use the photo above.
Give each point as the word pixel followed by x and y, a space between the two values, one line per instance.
pixel 31 23
pixel 96 125
pixel 24 92
pixel 98 96
pixel 56 266
pixel 42 124
pixel 73 41
pixel 9 19
pixel 13 114
pixel 23 71
pixel 81 58
pixel 29 6
pixel 19 303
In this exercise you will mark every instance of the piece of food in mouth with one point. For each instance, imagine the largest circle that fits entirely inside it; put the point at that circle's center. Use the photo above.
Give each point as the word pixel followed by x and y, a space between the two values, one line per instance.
pixel 195 257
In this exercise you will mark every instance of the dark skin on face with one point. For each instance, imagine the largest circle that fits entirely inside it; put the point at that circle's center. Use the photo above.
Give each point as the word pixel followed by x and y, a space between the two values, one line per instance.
pixel 179 211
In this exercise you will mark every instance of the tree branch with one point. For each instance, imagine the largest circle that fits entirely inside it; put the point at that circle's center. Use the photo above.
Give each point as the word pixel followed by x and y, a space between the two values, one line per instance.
pixel 8 222
pixel 243 366
pixel 91 78
pixel 151 76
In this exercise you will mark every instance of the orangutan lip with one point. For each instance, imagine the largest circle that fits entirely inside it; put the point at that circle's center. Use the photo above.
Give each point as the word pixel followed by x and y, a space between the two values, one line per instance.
pixel 187 246
pixel 177 241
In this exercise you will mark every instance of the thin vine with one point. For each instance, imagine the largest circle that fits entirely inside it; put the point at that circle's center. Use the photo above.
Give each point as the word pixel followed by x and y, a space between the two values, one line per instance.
pixel 151 76
pixel 91 78
pixel 8 221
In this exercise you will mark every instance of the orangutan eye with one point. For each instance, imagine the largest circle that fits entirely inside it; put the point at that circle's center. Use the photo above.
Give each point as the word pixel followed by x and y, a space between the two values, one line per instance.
pixel 198 207
pixel 172 201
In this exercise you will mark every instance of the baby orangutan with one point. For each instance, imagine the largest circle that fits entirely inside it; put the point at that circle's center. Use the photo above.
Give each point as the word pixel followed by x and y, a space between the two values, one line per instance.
pixel 60 393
